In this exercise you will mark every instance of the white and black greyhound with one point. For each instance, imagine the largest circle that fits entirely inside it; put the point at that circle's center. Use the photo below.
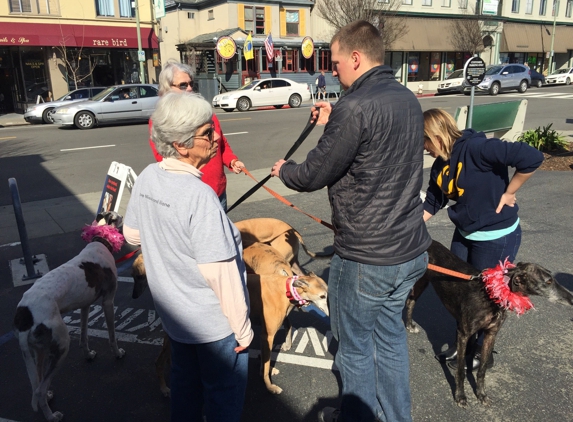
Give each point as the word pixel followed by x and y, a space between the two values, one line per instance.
pixel 78 283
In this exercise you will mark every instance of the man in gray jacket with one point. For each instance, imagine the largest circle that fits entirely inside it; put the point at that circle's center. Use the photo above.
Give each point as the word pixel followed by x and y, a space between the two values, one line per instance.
pixel 371 158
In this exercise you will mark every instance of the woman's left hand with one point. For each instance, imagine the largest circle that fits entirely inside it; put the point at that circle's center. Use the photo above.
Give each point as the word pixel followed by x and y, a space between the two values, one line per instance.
pixel 506 199
pixel 237 166
pixel 239 349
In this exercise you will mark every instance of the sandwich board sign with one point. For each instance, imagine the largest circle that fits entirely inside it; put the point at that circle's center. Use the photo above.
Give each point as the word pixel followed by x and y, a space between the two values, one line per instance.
pixel 119 176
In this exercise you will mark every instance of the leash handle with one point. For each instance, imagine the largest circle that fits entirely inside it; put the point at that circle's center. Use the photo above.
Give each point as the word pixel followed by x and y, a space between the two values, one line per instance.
pixel 306 131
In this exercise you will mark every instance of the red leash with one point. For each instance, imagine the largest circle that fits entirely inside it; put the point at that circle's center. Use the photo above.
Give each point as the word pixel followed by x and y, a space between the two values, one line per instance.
pixel 126 257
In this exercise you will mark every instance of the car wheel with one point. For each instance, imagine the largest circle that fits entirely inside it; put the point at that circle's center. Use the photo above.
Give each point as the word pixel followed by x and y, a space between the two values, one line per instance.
pixel 243 104
pixel 279 106
pixel 522 86
pixel 494 89
pixel 228 109
pixel 568 81
pixel 294 101
pixel 539 83
pixel 48 115
pixel 84 120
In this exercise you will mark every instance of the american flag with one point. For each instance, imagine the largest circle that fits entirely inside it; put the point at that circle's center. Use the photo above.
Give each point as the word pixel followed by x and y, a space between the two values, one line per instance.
pixel 270 48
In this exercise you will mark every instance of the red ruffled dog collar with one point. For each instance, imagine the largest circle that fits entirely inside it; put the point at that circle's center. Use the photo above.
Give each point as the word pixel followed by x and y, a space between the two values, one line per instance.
pixel 497 286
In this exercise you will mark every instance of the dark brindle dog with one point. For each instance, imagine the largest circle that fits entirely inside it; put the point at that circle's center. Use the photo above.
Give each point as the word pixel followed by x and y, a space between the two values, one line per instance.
pixel 470 305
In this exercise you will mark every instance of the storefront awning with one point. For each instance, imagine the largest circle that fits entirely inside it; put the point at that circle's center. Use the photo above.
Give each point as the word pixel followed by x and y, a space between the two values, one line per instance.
pixel 424 34
pixel 526 38
pixel 55 35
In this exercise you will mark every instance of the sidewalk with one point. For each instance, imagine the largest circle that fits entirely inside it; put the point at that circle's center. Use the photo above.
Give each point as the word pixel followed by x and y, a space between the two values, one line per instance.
pixel 12 119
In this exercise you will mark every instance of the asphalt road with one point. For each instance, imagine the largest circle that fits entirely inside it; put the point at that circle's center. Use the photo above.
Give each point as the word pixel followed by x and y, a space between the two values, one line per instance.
pixel 533 374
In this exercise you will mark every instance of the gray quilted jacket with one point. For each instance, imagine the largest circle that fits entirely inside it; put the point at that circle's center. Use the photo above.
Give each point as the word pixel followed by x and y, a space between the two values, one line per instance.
pixel 371 158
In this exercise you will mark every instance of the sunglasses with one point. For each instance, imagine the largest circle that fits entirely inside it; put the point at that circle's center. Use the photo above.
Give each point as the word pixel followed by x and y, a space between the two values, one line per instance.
pixel 209 134
pixel 183 85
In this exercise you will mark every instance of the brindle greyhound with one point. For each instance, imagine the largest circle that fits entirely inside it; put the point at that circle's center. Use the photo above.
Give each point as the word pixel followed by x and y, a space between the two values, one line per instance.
pixel 470 305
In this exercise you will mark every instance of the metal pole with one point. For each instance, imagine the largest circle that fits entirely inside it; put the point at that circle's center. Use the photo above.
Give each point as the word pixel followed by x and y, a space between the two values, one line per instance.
pixel 555 11
pixel 471 110
pixel 139 50
pixel 28 259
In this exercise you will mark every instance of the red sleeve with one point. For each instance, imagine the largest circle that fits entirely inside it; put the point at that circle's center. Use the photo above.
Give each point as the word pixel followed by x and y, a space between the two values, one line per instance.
pixel 227 152
pixel 152 144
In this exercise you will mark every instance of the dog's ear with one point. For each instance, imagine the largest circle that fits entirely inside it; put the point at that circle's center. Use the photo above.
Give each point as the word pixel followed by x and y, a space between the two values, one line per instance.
pixel 300 283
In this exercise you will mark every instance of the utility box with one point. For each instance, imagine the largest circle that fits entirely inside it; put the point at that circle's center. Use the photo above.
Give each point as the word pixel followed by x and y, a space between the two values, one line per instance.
pixel 207 85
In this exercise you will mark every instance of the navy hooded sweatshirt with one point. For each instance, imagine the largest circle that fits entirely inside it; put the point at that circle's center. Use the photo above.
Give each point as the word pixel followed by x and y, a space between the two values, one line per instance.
pixel 476 176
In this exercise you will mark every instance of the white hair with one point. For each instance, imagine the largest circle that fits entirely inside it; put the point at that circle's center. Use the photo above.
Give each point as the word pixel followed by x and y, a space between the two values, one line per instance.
pixel 176 118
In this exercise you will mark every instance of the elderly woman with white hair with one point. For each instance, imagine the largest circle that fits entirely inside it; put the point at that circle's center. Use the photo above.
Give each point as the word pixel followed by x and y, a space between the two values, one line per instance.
pixel 194 266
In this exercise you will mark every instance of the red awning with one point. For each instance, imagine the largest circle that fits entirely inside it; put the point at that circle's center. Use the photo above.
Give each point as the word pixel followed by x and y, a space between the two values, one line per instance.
pixel 51 35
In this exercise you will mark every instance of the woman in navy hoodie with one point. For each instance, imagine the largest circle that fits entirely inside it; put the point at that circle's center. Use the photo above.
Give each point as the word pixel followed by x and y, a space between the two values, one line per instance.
pixel 472 170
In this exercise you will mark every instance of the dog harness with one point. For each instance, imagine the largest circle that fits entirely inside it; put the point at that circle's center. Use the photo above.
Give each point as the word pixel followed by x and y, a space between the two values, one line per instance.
pixel 292 294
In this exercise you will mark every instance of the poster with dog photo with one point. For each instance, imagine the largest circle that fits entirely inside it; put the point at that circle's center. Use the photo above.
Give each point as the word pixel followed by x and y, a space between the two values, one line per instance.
pixel 110 195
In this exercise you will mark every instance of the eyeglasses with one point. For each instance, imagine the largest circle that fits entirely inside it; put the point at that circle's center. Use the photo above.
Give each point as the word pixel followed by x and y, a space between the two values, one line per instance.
pixel 183 85
pixel 209 134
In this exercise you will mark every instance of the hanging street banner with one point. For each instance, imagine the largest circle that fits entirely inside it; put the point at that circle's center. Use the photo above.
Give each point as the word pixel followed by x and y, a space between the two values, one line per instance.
pixel 226 47
pixel 248 48
pixel 159 6
pixel 307 47
pixel 490 7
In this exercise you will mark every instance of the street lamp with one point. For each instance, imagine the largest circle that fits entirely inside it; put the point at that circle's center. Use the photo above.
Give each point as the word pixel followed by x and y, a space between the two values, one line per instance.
pixel 555 11
pixel 140 52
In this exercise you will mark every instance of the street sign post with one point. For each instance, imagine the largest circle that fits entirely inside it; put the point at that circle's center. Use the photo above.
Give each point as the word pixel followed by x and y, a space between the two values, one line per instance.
pixel 474 72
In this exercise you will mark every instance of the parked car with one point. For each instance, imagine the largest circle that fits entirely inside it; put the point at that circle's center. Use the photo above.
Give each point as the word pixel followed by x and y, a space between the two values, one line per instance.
pixel 264 92
pixel 560 76
pixel 43 112
pixel 453 83
pixel 537 79
pixel 504 77
pixel 118 103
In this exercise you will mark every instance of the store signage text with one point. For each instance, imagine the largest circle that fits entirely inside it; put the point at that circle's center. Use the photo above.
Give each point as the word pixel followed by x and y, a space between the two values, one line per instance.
pixel 14 40
pixel 114 42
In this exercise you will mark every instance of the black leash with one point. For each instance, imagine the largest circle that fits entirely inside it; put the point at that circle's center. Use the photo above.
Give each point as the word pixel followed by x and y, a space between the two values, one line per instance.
pixel 306 131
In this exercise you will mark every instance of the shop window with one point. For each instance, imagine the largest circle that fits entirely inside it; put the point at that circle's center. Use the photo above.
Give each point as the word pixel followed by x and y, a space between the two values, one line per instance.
pixel 306 64
pixel 396 64
pixel 568 9
pixel 413 66
pixel 292 21
pixel 290 60
pixel 529 7
pixel 543 7
pixel 515 6
pixel 324 61
pixel 38 7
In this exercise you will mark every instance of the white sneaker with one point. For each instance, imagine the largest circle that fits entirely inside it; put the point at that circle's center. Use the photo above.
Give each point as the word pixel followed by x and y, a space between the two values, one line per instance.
pixel 328 414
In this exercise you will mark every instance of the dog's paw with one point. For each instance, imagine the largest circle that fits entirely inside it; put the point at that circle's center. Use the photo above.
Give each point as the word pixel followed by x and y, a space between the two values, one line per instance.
pixel 286 347
pixel 57 416
pixel 91 354
pixel 413 329
pixel 120 353
pixel 49 395
pixel 462 400
pixel 275 389
pixel 166 392
pixel 275 371
pixel 484 399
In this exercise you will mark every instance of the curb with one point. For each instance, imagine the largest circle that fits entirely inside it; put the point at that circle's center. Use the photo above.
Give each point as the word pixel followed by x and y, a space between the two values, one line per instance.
pixel 426 95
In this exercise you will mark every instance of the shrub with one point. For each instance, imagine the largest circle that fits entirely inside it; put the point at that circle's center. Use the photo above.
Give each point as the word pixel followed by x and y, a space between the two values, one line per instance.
pixel 544 139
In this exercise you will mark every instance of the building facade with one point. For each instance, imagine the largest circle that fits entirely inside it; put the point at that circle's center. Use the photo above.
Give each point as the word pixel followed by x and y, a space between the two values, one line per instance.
pixel 48 47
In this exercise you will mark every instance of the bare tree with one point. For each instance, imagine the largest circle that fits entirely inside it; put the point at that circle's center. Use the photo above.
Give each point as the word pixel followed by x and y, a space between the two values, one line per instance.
pixel 382 14
pixel 467 33
pixel 77 66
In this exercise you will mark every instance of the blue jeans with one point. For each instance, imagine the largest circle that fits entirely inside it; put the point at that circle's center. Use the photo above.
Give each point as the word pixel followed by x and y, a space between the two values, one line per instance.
pixel 223 200
pixel 209 378
pixel 366 303
pixel 488 253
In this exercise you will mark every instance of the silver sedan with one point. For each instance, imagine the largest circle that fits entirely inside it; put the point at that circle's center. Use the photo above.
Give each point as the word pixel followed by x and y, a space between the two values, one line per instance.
pixel 117 104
